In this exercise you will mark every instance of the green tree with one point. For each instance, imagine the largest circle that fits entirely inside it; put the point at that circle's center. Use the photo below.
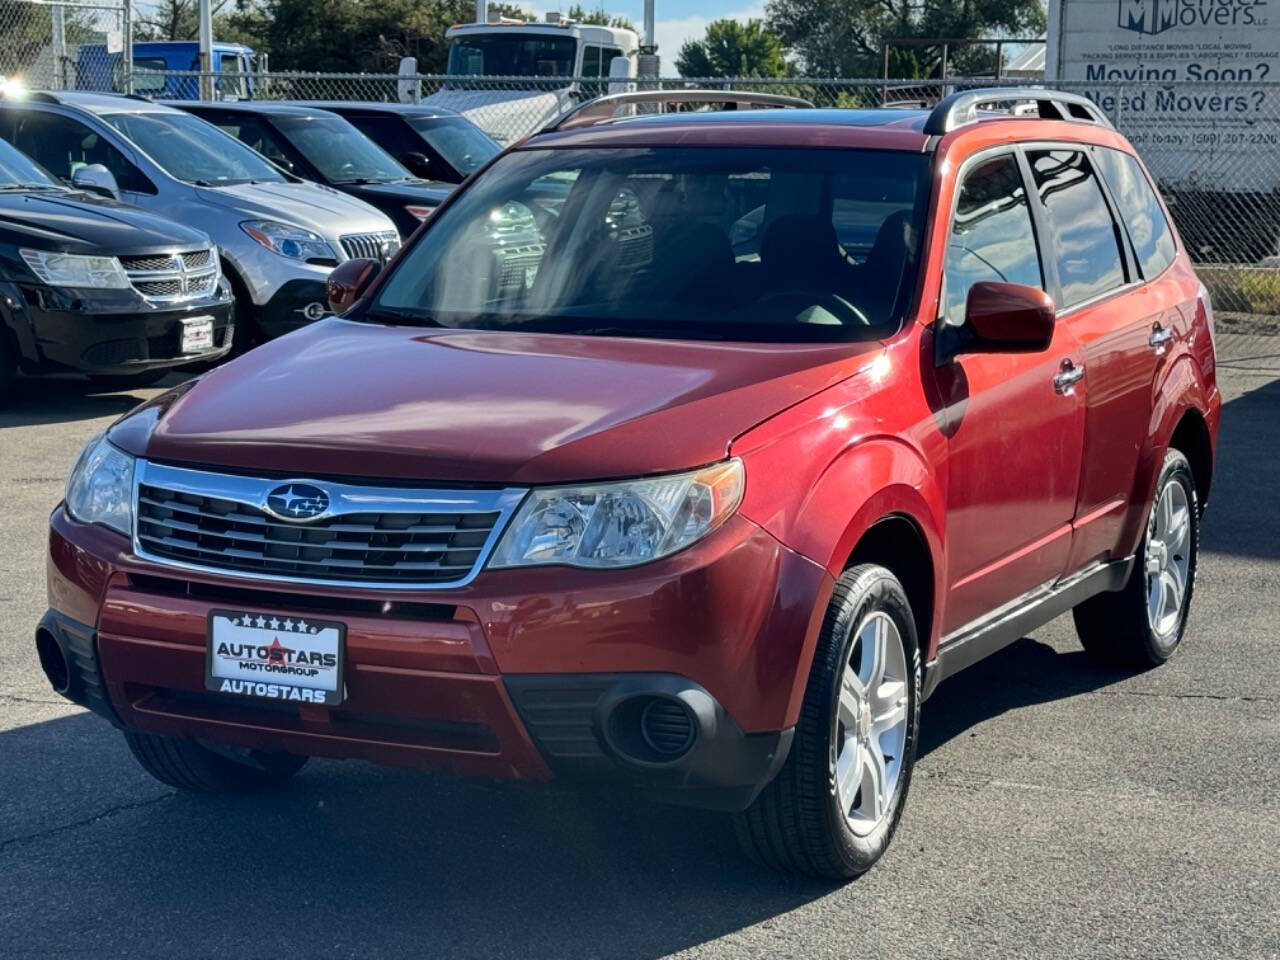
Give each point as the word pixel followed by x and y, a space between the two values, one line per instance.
pixel 843 38
pixel 599 17
pixel 731 48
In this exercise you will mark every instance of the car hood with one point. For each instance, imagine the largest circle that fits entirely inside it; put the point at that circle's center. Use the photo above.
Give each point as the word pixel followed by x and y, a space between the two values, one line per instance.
pixel 82 223
pixel 427 192
pixel 347 399
pixel 321 209
pixel 505 115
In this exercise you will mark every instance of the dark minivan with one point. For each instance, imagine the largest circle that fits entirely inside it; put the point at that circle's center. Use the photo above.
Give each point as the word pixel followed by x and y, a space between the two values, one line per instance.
pixel 95 286
pixel 319 145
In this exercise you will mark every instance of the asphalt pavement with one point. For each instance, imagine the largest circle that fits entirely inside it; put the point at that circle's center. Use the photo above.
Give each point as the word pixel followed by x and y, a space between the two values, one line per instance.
pixel 1058 810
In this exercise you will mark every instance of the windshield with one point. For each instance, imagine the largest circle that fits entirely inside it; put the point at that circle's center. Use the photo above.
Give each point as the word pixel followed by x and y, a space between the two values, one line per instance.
pixel 339 151
pixel 512 55
pixel 190 149
pixel 17 170
pixel 464 146
pixel 734 244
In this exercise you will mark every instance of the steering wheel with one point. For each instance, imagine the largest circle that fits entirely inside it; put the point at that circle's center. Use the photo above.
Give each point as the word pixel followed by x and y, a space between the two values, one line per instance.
pixel 844 311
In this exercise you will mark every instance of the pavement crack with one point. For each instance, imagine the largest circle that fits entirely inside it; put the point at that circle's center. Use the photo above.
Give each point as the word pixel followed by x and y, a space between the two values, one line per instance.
pixel 51 701
pixel 1186 696
pixel 77 824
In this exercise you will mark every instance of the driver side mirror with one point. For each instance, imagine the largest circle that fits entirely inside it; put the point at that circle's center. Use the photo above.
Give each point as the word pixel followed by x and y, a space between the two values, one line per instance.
pixel 348 282
pixel 999 318
pixel 419 164
pixel 96 178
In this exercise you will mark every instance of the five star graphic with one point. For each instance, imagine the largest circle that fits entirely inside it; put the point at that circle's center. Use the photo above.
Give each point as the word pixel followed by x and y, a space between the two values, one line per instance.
pixel 274 623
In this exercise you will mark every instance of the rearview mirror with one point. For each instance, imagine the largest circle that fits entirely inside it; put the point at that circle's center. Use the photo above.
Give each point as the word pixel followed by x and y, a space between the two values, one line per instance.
pixel 419 164
pixel 96 178
pixel 999 318
pixel 348 282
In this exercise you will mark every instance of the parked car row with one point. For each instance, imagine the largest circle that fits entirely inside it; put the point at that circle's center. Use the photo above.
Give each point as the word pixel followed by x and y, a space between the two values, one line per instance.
pixel 138 236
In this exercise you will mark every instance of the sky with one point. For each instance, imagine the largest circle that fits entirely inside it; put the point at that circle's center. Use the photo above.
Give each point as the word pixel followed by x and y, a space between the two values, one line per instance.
pixel 675 22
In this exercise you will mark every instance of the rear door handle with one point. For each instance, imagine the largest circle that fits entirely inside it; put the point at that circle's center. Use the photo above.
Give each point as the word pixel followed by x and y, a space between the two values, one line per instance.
pixel 1159 337
pixel 1065 381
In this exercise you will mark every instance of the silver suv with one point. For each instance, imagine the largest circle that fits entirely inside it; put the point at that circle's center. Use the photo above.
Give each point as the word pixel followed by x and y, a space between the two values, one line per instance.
pixel 279 236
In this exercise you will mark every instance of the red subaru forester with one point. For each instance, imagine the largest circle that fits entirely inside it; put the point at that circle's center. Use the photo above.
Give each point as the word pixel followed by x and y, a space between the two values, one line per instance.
pixel 690 449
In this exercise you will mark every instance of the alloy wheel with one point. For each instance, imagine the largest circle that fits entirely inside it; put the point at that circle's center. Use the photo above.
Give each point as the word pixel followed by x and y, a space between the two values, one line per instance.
pixel 1168 560
pixel 870 733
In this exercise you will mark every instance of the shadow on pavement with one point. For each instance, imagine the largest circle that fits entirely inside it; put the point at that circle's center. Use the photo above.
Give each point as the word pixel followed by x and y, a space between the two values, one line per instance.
pixel 355 860
pixel 1246 522
pixel 40 400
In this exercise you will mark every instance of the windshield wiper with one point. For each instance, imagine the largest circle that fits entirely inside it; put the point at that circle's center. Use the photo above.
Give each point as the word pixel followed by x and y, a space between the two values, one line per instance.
pixel 360 181
pixel 30 186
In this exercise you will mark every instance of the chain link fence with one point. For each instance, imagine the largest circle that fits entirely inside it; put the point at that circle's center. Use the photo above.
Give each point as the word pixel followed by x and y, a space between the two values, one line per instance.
pixel 78 44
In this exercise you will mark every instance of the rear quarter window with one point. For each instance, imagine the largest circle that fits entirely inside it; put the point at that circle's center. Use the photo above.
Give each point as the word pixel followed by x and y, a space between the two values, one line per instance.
pixel 1140 209
pixel 1082 232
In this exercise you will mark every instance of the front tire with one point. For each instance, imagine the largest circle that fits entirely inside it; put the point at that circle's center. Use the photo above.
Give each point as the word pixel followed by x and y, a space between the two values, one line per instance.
pixel 187 765
pixel 1141 625
pixel 835 805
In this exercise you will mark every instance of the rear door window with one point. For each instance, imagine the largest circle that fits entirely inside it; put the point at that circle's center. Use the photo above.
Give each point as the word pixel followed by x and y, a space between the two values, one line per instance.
pixel 1140 209
pixel 1083 235
pixel 991 236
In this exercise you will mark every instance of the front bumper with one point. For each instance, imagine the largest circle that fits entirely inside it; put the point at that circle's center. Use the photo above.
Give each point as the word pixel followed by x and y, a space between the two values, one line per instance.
pixel 522 674
pixel 296 304
pixel 111 331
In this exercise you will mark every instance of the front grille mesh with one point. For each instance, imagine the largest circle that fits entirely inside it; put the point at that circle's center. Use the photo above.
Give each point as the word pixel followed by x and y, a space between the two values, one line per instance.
pixel 372 246
pixel 354 547
pixel 172 278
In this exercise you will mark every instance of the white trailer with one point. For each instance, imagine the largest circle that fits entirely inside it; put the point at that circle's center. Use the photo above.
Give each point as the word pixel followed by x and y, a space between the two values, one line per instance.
pixel 1191 83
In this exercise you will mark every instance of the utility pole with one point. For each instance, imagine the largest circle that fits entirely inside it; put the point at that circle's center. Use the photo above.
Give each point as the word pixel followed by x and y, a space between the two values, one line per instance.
pixel 206 51
pixel 126 51
pixel 482 11
pixel 59 44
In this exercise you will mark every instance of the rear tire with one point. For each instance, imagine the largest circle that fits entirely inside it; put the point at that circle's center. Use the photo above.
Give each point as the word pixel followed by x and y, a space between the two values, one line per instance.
pixel 185 764
pixel 1141 625
pixel 857 730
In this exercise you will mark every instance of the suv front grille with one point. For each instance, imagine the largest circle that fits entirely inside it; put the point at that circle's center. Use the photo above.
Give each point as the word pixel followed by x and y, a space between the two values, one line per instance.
pixel 372 246
pixel 369 535
pixel 173 278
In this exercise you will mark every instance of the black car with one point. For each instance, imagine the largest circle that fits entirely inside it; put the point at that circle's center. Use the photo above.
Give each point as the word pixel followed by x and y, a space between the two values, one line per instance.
pixel 91 285
pixel 429 141
pixel 319 145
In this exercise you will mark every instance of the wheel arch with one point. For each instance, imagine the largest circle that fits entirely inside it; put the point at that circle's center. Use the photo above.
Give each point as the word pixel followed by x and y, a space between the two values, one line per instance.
pixel 898 543
pixel 1191 436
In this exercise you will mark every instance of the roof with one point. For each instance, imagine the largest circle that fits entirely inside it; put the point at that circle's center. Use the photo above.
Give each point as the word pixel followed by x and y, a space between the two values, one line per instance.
pixel 403 109
pixel 888 129
pixel 275 108
pixel 99 103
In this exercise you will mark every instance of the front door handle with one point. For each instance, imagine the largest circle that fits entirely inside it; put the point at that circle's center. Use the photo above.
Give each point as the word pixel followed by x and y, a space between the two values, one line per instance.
pixel 1159 337
pixel 1065 381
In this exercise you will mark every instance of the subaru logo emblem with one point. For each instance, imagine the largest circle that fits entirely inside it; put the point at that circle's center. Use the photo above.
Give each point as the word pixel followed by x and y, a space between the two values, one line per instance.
pixel 297 501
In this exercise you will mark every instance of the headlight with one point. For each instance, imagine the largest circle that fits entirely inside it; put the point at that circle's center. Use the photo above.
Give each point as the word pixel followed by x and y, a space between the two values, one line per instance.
pixel 100 489
pixel 620 524
pixel 289 241
pixel 70 270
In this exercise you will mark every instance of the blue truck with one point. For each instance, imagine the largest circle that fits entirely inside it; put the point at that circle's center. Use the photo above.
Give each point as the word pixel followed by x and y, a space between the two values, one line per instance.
pixel 154 66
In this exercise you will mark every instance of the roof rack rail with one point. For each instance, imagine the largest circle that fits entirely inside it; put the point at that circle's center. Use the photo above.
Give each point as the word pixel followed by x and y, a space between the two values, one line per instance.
pixel 961 108
pixel 601 109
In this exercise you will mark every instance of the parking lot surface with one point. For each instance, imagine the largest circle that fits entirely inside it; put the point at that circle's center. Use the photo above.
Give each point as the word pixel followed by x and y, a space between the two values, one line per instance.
pixel 1057 809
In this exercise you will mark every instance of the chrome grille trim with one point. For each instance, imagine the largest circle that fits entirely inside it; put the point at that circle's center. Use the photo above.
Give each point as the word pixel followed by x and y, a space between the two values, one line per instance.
pixel 373 246
pixel 175 277
pixel 383 538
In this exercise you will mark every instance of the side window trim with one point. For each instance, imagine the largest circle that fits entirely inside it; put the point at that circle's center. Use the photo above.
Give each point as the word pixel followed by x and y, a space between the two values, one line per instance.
pixel 1038 228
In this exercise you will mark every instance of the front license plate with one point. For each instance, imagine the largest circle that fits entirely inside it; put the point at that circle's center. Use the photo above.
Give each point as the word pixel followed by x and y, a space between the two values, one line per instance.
pixel 274 657
pixel 197 334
